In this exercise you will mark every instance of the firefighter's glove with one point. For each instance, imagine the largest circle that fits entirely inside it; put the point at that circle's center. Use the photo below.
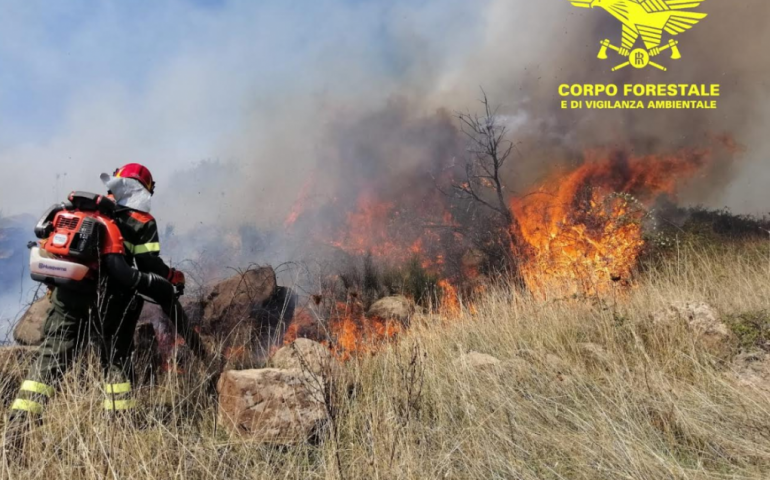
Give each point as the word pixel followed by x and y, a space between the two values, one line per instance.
pixel 158 289
pixel 177 279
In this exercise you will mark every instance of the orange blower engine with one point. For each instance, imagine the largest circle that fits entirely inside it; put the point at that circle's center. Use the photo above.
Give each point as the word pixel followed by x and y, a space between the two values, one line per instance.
pixel 74 235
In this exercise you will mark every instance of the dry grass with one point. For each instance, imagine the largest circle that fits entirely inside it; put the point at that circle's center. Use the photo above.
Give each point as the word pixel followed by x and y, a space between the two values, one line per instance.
pixel 654 405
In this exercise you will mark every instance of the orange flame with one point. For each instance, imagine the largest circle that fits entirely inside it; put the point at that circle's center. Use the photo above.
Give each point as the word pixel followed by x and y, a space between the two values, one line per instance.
pixel 394 233
pixel 585 225
pixel 368 230
pixel 300 204
pixel 450 301
pixel 580 232
pixel 348 333
pixel 354 334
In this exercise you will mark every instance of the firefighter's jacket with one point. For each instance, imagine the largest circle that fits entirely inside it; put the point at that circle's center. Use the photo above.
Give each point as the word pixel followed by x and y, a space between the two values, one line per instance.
pixel 142 242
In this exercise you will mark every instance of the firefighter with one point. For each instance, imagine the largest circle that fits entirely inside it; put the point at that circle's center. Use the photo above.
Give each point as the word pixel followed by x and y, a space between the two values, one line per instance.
pixel 105 315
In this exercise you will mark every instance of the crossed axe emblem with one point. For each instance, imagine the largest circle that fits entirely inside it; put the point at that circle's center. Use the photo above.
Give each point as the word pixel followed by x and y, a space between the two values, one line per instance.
pixel 640 57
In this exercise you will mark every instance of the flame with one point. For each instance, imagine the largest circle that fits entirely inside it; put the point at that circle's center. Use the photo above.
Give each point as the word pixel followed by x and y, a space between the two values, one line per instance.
pixel 450 301
pixel 580 232
pixel 368 230
pixel 353 334
pixel 584 226
pixel 303 325
pixel 168 342
pixel 395 232
pixel 300 205
pixel 348 332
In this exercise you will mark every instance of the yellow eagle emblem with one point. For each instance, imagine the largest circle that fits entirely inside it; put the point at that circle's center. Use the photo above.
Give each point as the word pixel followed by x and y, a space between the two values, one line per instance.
pixel 647 19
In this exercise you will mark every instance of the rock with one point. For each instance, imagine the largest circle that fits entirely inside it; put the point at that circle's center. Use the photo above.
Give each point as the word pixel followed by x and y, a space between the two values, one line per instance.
pixel 396 307
pixel 305 354
pixel 29 330
pixel 694 314
pixel 238 298
pixel 702 319
pixel 243 317
pixel 272 405
pixel 476 361
pixel 234 316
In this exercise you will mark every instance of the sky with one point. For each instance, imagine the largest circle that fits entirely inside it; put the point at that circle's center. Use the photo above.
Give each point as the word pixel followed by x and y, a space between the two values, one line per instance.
pixel 86 86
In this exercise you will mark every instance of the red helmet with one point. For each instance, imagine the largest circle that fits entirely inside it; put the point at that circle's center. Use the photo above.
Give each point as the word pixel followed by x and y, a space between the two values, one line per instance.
pixel 137 172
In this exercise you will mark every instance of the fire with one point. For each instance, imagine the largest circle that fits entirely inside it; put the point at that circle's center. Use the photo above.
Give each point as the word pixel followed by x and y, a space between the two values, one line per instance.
pixel 450 301
pixel 303 325
pixel 348 331
pixel 368 230
pixel 168 346
pixel 584 226
pixel 579 232
pixel 299 205
pixel 354 334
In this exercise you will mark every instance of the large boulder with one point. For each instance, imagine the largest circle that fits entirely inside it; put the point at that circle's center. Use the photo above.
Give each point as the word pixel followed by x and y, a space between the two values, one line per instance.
pixel 305 354
pixel 270 405
pixel 238 298
pixel 29 329
pixel 243 317
pixel 702 319
pixel 396 307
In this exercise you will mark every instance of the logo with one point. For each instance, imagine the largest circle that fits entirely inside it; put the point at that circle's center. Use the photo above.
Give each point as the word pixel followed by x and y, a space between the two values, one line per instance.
pixel 59 239
pixel 43 266
pixel 647 19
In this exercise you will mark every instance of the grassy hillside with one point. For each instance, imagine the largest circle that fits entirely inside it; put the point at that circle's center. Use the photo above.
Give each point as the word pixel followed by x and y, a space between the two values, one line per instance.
pixel 638 402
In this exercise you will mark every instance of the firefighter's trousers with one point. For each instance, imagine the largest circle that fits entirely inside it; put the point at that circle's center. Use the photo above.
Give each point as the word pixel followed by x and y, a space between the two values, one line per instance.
pixel 75 320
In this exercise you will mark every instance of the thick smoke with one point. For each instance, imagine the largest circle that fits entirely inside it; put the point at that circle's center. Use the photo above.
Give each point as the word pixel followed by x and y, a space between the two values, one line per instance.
pixel 383 130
